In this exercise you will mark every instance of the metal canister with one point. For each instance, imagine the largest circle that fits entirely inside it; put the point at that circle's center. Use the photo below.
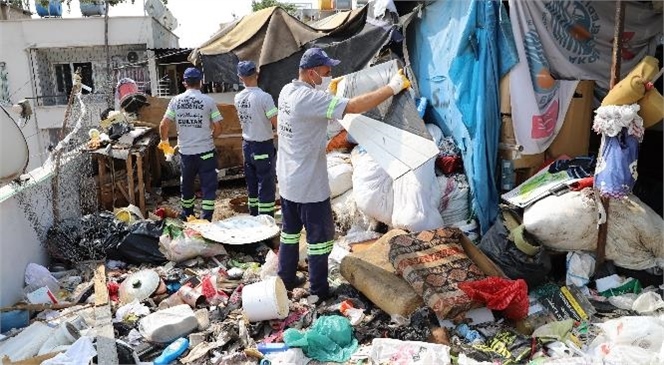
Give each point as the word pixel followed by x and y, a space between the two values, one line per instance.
pixel 192 296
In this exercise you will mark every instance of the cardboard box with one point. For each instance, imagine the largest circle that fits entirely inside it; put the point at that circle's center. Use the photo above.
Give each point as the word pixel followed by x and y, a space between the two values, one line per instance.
pixel 574 136
pixel 505 102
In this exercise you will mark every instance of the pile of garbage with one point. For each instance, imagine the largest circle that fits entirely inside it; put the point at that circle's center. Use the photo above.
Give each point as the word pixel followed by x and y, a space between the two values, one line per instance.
pixel 410 298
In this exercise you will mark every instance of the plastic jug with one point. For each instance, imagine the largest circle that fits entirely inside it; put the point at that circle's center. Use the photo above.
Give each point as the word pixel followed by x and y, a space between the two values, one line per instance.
pixel 172 352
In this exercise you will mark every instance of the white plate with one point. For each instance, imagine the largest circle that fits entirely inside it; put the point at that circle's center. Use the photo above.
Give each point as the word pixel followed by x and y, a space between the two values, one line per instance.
pixel 238 230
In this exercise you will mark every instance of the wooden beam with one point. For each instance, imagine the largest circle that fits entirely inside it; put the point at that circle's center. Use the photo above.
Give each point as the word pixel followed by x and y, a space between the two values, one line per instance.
pixel 141 183
pixel 101 291
pixel 130 179
pixel 107 352
pixel 616 63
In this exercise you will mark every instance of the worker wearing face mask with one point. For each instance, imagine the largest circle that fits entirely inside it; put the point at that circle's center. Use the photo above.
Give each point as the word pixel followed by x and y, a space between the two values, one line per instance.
pixel 305 107
pixel 257 114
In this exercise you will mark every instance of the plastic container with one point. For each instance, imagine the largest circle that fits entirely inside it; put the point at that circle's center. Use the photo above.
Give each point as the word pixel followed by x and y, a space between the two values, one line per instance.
pixel 54 9
pixel 265 300
pixel 172 351
pixel 14 319
pixel 95 8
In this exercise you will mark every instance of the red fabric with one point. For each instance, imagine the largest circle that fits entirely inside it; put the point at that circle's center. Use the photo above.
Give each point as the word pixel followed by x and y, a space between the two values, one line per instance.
pixel 449 164
pixel 509 296
pixel 113 290
pixel 582 184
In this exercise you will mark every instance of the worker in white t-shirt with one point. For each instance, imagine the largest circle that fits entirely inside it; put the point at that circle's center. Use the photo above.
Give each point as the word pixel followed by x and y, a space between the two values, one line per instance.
pixel 257 114
pixel 198 120
pixel 305 106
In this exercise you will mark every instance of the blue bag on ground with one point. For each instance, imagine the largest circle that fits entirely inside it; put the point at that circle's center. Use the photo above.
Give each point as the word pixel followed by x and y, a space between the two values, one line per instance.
pixel 329 339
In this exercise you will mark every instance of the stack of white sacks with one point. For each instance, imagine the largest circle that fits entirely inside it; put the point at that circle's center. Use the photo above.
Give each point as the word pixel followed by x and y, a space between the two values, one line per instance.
pixel 363 194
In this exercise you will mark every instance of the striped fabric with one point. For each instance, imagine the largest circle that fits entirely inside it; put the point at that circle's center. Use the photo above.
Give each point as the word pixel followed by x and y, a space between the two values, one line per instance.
pixel 290 238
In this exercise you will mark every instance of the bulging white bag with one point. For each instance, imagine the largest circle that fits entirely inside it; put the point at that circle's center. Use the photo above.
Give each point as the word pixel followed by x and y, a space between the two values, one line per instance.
pixel 569 222
pixel 416 197
pixel 372 187
pixel 339 173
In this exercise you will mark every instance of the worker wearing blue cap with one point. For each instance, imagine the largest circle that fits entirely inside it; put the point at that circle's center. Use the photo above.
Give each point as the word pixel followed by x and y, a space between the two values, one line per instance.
pixel 305 106
pixel 198 121
pixel 257 114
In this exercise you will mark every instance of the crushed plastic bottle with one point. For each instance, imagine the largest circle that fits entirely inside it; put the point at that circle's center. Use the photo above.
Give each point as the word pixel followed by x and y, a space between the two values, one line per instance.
pixel 172 352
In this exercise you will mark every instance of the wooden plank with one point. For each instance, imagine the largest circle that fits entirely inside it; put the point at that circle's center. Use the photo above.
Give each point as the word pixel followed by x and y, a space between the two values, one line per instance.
pixel 101 168
pixel 101 291
pixel 38 307
pixel 141 183
pixel 130 180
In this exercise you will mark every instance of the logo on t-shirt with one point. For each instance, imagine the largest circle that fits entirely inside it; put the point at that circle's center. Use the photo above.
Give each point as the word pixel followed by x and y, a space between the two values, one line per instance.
pixel 190 112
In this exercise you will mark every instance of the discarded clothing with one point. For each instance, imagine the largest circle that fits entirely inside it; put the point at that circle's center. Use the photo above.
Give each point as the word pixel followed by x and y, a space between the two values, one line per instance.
pixel 616 171
pixel 576 168
pixel 434 263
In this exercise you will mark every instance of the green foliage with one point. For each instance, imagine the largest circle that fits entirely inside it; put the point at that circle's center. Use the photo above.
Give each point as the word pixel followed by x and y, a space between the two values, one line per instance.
pixel 262 4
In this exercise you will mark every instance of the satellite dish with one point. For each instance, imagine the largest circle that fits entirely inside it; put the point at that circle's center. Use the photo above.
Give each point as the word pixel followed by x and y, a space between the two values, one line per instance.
pixel 13 149
pixel 132 57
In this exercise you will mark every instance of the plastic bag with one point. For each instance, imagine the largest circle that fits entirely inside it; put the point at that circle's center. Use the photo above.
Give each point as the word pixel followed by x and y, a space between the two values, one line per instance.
pixel 270 266
pixel 339 173
pixel 648 302
pixel 330 338
pixel 179 244
pixel 629 340
pixel 80 353
pixel 510 296
pixel 397 352
pixel 454 204
pixel 580 267
pixel 37 276
pixel 416 197
pixel 515 263
pixel 141 245
pixel 372 187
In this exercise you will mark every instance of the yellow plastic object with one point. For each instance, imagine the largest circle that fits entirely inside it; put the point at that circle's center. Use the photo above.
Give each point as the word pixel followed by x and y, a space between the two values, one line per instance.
pixel 652 108
pixel 632 88
pixel 166 148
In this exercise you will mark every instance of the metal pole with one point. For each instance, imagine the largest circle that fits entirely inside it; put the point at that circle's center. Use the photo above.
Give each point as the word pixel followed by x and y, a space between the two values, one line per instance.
pixel 616 61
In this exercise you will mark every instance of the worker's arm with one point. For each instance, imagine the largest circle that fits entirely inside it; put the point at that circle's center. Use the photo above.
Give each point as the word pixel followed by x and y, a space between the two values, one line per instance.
pixel 164 126
pixel 215 121
pixel 365 102
pixel 270 109
pixel 273 120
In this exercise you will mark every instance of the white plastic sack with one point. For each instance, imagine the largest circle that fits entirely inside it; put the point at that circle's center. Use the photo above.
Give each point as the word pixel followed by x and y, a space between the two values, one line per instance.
pixel 627 334
pixel 648 302
pixel 454 204
pixel 185 247
pixel 80 353
pixel 271 265
pixel 569 222
pixel 134 307
pixel 580 267
pixel 339 173
pixel 391 351
pixel 416 197
pixel 436 133
pixel 27 343
pixel 37 276
pixel 166 325
pixel 372 187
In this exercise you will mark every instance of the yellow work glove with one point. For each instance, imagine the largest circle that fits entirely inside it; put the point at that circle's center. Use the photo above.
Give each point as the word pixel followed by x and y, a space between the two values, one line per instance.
pixel 167 149
pixel 399 82
pixel 332 88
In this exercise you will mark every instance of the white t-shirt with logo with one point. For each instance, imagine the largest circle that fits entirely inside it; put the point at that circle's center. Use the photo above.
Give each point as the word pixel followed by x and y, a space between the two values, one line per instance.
pixel 302 125
pixel 254 108
pixel 192 112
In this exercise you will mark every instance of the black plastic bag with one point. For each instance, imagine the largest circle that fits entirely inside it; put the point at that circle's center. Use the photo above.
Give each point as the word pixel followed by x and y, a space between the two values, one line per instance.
pixel 141 245
pixel 515 263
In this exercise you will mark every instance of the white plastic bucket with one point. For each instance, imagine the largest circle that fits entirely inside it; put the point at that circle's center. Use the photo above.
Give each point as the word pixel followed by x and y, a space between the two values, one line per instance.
pixel 265 300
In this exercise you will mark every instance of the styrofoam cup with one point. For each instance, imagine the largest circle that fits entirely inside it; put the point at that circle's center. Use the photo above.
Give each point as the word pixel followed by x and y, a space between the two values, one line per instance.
pixel 265 300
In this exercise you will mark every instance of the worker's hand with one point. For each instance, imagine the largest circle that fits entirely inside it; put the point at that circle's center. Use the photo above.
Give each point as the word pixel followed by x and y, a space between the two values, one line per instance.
pixel 165 146
pixel 332 88
pixel 399 82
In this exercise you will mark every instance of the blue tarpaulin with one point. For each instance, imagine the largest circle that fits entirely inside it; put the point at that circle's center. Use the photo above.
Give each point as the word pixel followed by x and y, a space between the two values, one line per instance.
pixel 459 50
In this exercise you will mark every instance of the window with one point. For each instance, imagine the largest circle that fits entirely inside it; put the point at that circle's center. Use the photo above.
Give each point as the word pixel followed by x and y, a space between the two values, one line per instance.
pixel 64 79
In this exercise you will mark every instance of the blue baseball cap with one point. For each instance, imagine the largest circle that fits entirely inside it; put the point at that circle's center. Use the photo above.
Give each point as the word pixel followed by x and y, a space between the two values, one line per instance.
pixel 192 73
pixel 314 57
pixel 246 68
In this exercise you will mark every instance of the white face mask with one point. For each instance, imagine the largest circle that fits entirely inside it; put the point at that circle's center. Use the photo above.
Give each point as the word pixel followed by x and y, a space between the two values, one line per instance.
pixel 325 83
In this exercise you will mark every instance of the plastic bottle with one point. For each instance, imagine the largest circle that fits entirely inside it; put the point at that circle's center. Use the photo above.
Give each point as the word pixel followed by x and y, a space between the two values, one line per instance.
pixel 268 348
pixel 172 352
pixel 470 335
pixel 422 106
